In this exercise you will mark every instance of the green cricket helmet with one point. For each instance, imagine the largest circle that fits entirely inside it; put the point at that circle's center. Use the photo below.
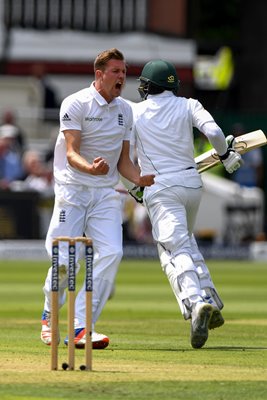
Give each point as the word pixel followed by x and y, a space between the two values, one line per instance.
pixel 157 76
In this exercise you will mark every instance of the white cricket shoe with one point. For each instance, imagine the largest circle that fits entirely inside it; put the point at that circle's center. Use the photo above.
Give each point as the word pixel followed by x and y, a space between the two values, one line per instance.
pixel 201 316
pixel 216 319
pixel 99 341
pixel 46 335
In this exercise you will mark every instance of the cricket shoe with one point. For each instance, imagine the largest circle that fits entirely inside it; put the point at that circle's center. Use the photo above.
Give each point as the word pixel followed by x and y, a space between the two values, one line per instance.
pixel 216 319
pixel 201 316
pixel 99 341
pixel 46 334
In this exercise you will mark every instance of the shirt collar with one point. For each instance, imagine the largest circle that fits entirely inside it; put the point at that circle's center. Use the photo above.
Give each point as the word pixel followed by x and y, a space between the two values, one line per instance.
pixel 100 99
pixel 166 93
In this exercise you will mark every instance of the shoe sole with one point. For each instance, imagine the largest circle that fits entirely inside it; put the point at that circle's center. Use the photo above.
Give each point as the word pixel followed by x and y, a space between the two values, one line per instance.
pixel 102 344
pixel 216 319
pixel 200 335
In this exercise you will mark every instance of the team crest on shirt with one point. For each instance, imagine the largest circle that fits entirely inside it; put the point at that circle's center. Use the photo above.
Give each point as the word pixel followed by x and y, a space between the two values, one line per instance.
pixel 120 119
pixel 62 216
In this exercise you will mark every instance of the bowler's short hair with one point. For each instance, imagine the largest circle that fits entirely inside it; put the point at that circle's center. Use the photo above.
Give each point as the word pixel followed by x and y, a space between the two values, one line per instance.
pixel 103 58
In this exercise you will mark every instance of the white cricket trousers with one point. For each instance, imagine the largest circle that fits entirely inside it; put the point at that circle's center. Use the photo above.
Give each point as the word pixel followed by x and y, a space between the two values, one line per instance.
pixel 97 213
pixel 173 212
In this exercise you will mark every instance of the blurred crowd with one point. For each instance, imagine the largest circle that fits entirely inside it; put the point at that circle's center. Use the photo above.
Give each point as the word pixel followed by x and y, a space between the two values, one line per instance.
pixel 20 166
pixel 24 168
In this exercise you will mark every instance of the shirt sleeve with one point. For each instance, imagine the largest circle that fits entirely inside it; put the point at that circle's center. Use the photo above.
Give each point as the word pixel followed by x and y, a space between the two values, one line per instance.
pixel 70 114
pixel 204 121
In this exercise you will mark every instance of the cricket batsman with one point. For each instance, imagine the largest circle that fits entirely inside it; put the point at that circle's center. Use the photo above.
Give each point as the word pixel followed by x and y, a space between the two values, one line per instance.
pixel 163 136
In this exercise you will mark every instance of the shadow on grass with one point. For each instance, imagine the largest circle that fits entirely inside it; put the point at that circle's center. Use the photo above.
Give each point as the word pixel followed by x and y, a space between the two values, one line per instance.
pixel 237 348
pixel 221 348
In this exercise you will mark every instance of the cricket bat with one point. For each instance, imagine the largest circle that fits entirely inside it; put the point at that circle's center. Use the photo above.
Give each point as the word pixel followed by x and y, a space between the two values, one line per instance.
pixel 243 144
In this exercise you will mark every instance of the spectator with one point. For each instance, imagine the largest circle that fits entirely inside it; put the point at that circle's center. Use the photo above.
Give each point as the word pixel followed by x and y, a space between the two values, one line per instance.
pixel 10 160
pixel 38 176
pixel 50 101
pixel 9 118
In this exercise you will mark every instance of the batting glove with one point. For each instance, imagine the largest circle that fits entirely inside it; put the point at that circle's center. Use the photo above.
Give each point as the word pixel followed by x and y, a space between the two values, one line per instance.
pixel 230 141
pixel 231 159
pixel 137 193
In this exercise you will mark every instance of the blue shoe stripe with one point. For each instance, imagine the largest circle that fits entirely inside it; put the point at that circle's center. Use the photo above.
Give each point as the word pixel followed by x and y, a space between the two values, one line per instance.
pixel 45 315
pixel 77 331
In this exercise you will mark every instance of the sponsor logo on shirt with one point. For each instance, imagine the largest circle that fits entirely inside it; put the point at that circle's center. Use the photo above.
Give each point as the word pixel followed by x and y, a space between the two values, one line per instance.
pixel 66 117
pixel 120 119
pixel 98 119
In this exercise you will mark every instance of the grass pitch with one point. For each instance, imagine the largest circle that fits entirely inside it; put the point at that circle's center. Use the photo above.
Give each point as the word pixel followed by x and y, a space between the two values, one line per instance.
pixel 149 356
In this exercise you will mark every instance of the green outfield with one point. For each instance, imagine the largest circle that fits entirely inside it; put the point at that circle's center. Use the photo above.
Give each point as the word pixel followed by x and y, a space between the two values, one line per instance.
pixel 149 356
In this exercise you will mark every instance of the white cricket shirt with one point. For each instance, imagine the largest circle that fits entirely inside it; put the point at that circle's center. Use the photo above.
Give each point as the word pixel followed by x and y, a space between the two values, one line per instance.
pixel 103 128
pixel 163 136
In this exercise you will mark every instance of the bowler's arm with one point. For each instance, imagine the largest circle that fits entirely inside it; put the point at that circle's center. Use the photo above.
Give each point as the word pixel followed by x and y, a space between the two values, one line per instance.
pixel 73 146
pixel 129 171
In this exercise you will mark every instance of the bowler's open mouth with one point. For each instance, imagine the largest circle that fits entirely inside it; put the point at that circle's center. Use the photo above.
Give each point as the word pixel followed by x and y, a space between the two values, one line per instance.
pixel 118 85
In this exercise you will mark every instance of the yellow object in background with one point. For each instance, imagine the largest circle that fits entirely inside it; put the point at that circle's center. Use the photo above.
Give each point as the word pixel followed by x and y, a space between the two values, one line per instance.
pixel 214 72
